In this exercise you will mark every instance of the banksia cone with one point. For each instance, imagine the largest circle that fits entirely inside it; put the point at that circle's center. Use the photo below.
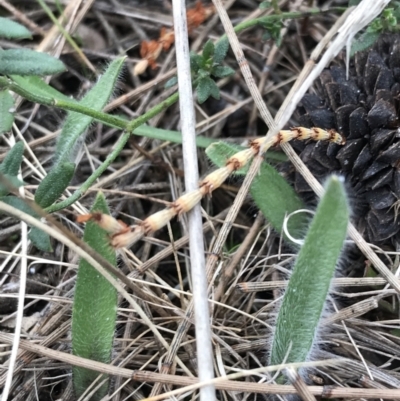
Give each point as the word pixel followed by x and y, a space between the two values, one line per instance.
pixel 365 110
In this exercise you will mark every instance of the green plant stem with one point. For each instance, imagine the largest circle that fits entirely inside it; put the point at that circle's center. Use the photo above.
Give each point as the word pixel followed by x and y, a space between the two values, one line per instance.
pixel 107 119
pixel 129 128
pixel 275 6
pixel 283 16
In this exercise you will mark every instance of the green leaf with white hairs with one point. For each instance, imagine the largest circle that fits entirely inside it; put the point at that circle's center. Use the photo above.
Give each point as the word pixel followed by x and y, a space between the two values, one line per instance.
pixel 95 308
pixel 222 71
pixel 19 204
pixel 12 30
pixel 195 62
pixel 208 50
pixel 363 42
pixel 54 184
pixel 76 124
pixel 220 152
pixel 31 84
pixel 10 181
pixel 39 238
pixel 306 293
pixel 206 88
pixel 13 160
pixel 28 62
pixel 6 111
pixel 277 199
pixel 221 50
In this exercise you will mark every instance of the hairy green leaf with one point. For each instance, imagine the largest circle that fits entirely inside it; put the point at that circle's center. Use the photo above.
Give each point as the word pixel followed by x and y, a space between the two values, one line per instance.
pixel 10 180
pixel 277 199
pixel 364 42
pixel 35 85
pixel 28 62
pixel 54 184
pixel 308 287
pixel 221 71
pixel 195 62
pixel 214 90
pixel 40 239
pixel 19 204
pixel 94 309
pixel 76 124
pixel 12 30
pixel 271 193
pixel 208 50
pixel 203 90
pixel 264 5
pixel 13 160
pixel 221 50
pixel 6 111
pixel 206 88
pixel 220 152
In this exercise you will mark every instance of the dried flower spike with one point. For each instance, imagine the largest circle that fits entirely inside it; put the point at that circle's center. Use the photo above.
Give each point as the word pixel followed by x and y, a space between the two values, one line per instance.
pixel 105 221
pixel 127 237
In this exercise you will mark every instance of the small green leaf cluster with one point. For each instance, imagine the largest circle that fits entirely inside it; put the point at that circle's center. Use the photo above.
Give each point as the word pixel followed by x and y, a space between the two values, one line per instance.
pixel 208 65
pixel 273 30
pixel 267 4
pixel 386 22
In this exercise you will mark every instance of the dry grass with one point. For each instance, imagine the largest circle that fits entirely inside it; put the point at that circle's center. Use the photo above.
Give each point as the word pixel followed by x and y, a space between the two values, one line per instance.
pixel 247 261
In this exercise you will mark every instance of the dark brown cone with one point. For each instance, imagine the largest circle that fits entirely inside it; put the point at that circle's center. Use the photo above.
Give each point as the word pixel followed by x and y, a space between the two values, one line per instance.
pixel 365 109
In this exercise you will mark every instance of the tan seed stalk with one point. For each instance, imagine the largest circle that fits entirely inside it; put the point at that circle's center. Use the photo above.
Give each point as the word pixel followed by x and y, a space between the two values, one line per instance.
pixel 124 236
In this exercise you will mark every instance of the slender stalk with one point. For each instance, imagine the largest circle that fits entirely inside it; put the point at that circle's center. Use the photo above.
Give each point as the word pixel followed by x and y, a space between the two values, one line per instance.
pixel 283 16
pixel 67 36
pixel 196 242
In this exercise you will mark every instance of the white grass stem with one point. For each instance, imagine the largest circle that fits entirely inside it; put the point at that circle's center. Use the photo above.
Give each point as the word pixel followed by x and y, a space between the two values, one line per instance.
pixel 197 259
pixel 21 298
